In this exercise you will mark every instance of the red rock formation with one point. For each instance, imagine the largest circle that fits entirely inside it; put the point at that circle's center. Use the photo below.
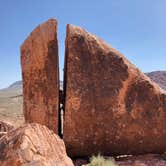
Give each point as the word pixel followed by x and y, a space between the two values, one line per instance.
pixel 33 144
pixel 39 60
pixel 111 107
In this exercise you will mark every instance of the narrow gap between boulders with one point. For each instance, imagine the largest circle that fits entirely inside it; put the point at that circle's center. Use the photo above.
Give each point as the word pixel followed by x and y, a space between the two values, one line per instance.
pixel 62 35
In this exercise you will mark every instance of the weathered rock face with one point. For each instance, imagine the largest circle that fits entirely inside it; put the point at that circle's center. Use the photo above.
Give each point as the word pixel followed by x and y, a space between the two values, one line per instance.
pixel 110 106
pixel 33 144
pixel 4 128
pixel 39 60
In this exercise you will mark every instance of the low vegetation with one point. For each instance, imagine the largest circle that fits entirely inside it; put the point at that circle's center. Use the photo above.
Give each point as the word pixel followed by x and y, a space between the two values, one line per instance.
pixel 101 161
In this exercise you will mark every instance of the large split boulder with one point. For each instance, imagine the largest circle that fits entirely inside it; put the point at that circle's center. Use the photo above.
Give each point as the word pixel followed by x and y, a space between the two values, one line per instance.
pixel 40 73
pixel 33 145
pixel 111 107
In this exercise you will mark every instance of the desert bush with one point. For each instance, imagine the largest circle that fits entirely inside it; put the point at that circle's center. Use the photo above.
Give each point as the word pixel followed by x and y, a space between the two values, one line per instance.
pixel 101 161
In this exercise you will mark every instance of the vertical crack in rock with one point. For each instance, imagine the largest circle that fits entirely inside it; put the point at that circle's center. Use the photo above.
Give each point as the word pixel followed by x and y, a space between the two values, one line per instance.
pixel 40 73
pixel 61 112
pixel 65 68
pixel 111 107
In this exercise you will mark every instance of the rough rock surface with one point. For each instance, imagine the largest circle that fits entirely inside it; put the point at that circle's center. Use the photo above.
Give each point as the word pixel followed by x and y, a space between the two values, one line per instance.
pixel 4 128
pixel 39 60
pixel 111 107
pixel 33 145
pixel 144 160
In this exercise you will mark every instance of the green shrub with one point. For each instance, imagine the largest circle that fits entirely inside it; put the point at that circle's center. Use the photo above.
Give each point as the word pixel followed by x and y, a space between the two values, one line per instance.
pixel 101 161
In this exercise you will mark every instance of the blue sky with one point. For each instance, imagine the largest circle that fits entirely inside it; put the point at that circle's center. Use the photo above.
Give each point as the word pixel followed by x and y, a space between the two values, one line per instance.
pixel 137 28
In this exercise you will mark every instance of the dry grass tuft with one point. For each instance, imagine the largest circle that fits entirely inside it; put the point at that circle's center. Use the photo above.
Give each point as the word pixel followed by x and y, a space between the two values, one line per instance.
pixel 101 161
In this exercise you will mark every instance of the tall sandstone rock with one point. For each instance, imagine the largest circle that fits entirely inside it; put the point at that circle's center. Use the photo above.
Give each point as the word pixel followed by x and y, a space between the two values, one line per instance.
pixel 39 60
pixel 33 145
pixel 111 107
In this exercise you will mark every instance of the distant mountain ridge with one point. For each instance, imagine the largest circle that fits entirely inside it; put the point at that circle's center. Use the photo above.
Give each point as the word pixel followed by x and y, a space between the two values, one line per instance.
pixel 11 99
pixel 157 76
pixel 16 84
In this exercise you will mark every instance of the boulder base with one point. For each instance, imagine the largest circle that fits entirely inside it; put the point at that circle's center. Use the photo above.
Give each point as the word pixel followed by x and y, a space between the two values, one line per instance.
pixel 33 145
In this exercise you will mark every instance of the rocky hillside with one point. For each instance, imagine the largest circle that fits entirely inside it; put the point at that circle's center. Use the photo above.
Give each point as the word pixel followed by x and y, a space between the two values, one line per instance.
pixel 11 104
pixel 158 77
pixel 16 85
